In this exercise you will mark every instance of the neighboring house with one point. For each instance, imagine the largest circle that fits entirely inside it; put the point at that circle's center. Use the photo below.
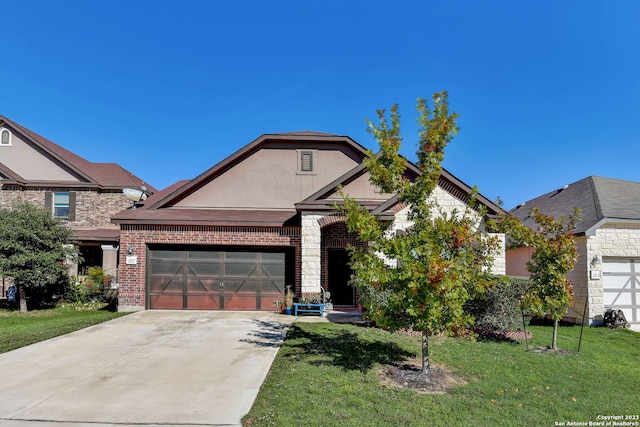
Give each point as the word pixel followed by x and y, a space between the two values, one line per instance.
pixel 260 220
pixel 85 194
pixel 607 274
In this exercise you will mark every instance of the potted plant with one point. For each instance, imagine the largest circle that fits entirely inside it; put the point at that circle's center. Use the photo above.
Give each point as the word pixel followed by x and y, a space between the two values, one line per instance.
pixel 288 300
pixel 279 305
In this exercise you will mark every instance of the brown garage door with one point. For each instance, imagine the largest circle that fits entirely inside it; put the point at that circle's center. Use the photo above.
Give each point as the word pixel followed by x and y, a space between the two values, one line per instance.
pixel 215 280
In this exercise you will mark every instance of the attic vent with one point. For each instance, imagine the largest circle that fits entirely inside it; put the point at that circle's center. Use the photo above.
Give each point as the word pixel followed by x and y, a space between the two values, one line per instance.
pixel 5 137
pixel 306 161
pixel 453 190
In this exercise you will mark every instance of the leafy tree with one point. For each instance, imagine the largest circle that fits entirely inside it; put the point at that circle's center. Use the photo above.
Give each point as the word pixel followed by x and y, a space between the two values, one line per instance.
pixel 554 257
pixel 33 249
pixel 418 278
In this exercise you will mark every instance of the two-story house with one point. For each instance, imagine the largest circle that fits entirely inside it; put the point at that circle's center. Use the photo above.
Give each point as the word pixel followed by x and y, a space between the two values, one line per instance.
pixel 85 194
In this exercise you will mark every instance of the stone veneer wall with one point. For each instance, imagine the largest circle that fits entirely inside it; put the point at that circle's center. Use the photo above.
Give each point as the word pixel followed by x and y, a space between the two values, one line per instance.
pixel 447 204
pixel 618 240
pixel 311 253
pixel 132 278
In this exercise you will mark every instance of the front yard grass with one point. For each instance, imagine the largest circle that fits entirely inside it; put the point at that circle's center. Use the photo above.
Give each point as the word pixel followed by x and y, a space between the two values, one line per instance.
pixel 327 374
pixel 21 329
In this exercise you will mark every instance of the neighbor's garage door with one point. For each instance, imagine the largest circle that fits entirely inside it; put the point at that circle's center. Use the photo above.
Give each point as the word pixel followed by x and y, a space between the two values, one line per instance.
pixel 621 283
pixel 215 280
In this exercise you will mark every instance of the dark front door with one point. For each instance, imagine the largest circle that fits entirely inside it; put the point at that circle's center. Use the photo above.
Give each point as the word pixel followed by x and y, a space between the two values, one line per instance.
pixel 339 275
pixel 215 280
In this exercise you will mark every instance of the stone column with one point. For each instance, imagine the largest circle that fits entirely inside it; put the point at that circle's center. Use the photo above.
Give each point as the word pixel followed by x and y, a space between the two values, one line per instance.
pixel 310 251
pixel 110 260
pixel 499 256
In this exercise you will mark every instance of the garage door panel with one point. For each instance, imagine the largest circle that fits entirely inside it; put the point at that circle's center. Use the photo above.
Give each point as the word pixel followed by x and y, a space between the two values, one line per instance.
pixel 161 284
pixel 618 282
pixel 167 302
pixel 618 266
pixel 203 285
pixel 617 298
pixel 208 256
pixel 168 267
pixel 203 302
pixel 240 302
pixel 204 269
pixel 240 270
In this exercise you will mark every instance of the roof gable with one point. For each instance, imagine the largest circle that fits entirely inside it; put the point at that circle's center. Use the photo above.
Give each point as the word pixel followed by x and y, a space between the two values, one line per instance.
pixel 356 184
pixel 264 174
pixel 34 160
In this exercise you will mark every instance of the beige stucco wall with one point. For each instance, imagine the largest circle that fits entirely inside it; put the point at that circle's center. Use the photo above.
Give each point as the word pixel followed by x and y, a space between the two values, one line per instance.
pixel 30 164
pixel 361 189
pixel 516 262
pixel 269 179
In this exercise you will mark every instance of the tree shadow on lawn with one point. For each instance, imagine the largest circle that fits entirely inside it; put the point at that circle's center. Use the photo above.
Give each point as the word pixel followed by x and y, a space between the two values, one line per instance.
pixel 345 350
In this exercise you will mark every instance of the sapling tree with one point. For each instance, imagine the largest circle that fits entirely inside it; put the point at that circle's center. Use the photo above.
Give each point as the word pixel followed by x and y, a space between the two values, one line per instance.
pixel 419 277
pixel 554 257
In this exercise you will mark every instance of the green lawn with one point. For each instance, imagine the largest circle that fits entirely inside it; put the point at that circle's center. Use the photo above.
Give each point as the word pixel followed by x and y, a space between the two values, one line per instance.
pixel 21 329
pixel 326 375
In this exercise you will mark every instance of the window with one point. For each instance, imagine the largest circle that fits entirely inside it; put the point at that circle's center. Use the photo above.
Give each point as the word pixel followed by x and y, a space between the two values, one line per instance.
pixel 61 205
pixel 5 137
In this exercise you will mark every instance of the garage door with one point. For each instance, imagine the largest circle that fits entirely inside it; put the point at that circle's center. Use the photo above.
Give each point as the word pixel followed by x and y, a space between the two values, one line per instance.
pixel 214 280
pixel 621 286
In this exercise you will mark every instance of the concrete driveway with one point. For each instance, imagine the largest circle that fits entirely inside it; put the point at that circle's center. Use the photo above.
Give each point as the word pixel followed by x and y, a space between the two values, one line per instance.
pixel 201 368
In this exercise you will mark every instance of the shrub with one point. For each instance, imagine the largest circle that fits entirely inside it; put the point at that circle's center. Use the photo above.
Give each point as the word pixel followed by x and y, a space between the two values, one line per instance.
pixel 500 308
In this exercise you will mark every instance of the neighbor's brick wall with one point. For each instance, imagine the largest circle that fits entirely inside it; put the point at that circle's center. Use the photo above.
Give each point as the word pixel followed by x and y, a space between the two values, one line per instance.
pixel 131 293
pixel 93 209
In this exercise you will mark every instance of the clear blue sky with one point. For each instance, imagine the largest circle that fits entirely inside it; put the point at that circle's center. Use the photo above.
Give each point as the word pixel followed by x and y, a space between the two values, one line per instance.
pixel 548 92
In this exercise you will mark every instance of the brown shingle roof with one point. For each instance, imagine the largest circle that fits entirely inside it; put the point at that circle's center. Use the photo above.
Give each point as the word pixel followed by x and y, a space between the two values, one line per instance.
pixel 207 217
pixel 110 175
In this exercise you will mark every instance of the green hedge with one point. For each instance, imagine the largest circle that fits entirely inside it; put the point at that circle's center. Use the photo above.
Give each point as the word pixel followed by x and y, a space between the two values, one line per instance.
pixel 499 310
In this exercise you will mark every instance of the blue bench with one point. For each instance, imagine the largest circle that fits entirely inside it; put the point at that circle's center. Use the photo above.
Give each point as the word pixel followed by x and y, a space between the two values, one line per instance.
pixel 308 308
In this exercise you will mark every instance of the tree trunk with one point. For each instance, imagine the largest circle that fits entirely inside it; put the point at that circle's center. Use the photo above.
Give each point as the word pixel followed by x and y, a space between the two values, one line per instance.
pixel 23 300
pixel 554 344
pixel 425 352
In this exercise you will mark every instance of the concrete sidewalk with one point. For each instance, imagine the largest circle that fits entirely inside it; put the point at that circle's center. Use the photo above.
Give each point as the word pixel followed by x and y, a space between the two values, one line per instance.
pixel 167 368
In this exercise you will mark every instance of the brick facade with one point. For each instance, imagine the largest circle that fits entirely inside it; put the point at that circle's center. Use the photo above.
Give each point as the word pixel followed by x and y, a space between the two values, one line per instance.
pixel 93 209
pixel 135 239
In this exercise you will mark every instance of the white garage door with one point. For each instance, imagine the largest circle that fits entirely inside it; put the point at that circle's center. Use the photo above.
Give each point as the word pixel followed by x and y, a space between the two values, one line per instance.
pixel 621 282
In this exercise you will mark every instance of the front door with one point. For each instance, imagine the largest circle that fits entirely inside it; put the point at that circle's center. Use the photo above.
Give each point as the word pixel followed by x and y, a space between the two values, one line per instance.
pixel 339 275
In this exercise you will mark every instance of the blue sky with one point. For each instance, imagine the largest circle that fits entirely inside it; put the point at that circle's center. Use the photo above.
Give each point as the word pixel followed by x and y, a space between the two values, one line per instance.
pixel 547 92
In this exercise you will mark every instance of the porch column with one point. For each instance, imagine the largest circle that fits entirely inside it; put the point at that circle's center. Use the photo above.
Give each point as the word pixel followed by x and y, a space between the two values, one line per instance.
pixel 310 242
pixel 110 260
